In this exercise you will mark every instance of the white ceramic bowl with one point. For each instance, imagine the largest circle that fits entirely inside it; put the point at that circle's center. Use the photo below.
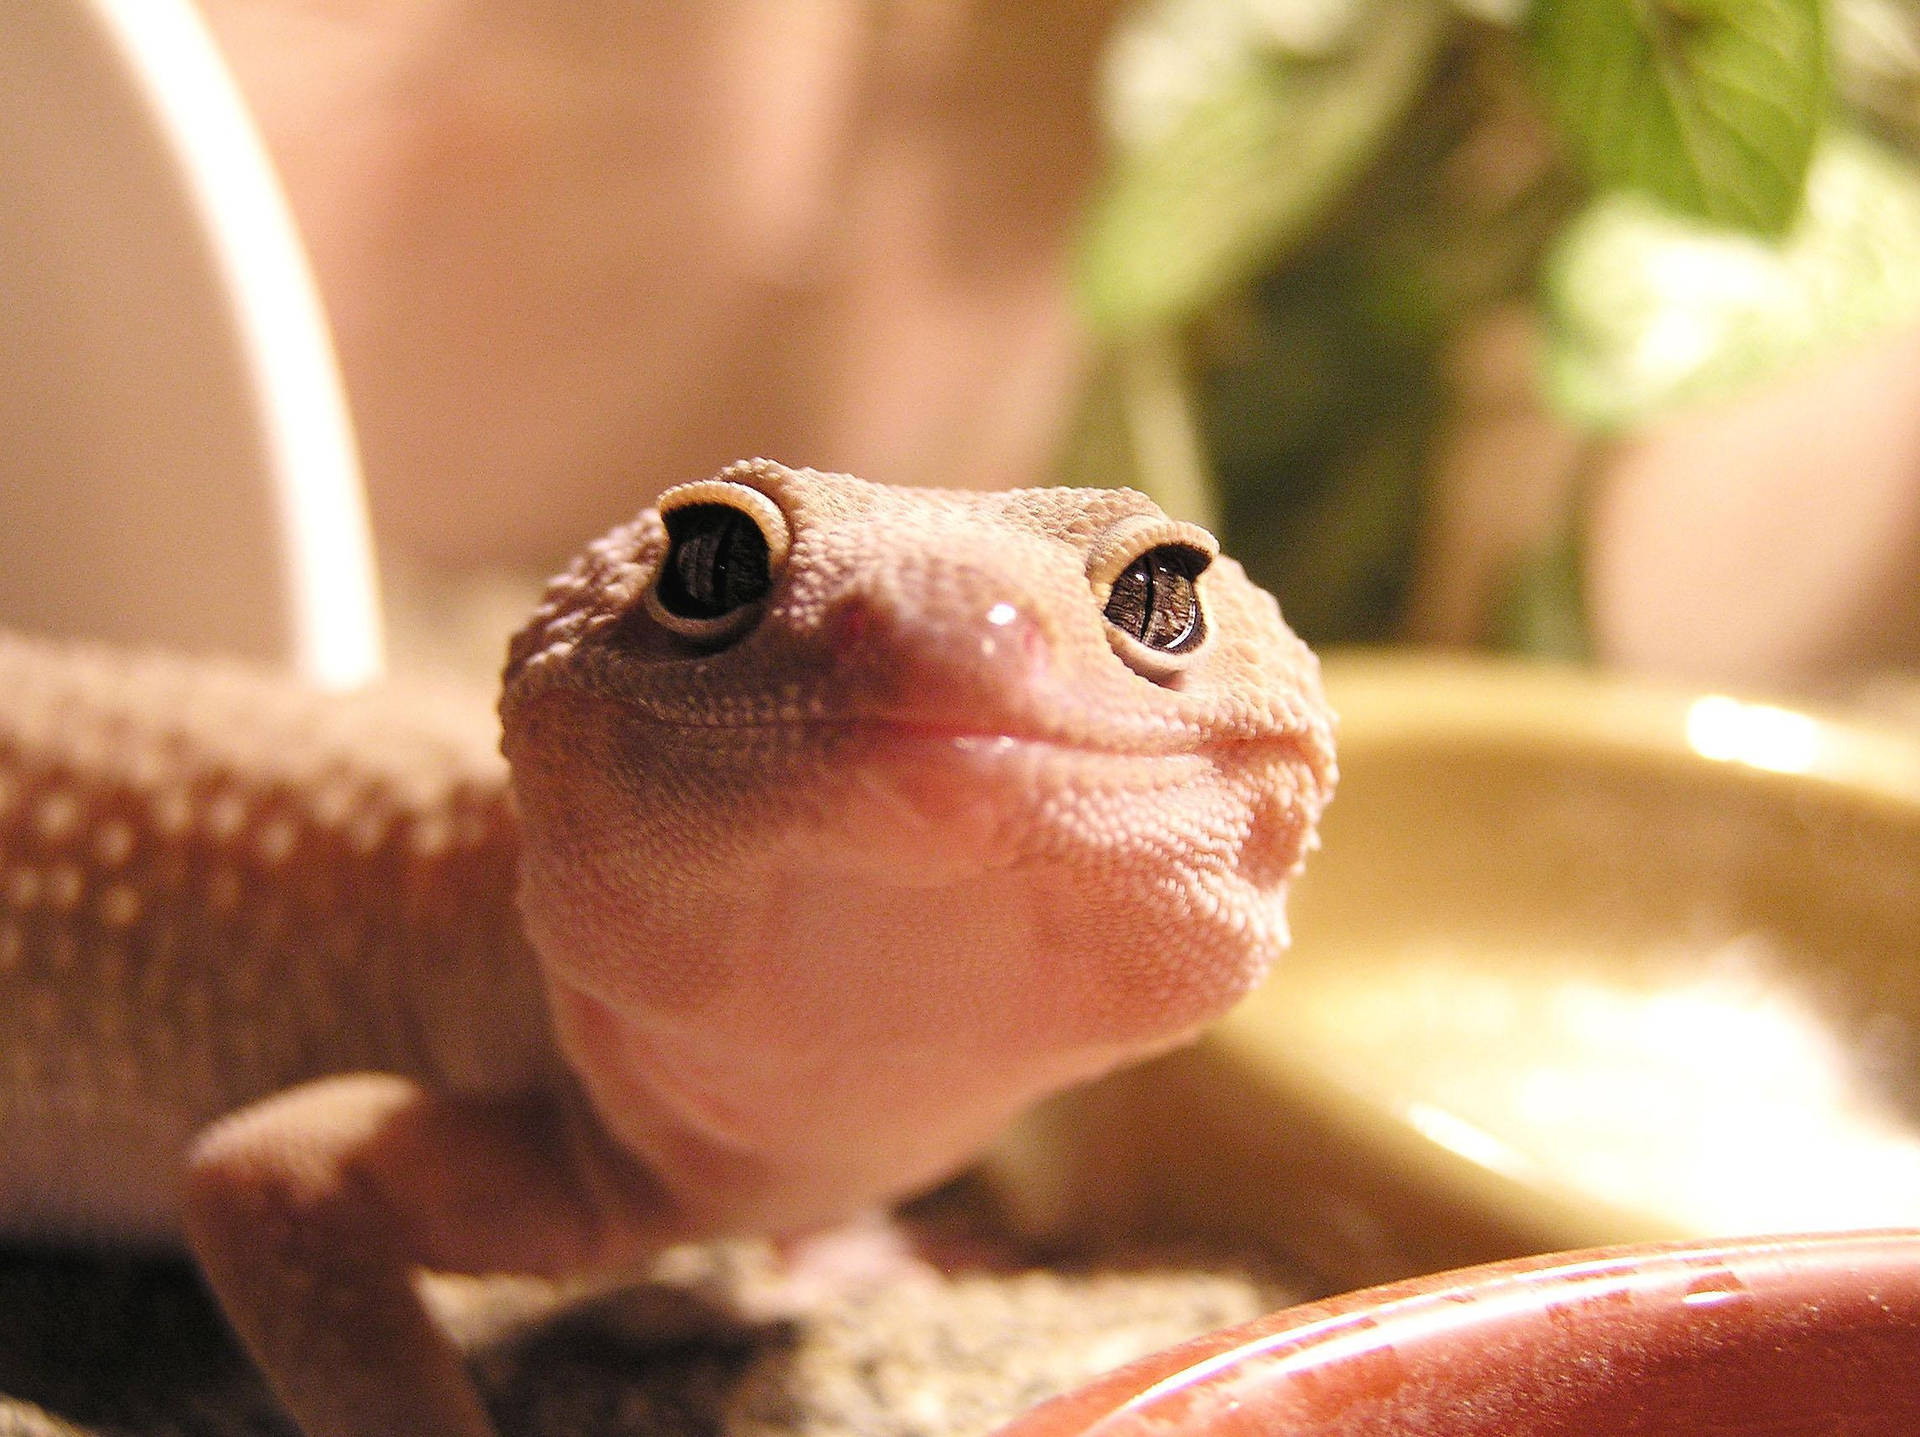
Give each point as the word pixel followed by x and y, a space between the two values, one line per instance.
pixel 176 463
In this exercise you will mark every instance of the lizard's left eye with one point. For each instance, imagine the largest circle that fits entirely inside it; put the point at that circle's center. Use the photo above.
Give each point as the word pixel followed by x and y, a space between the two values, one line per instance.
pixel 716 562
pixel 726 544
pixel 1145 574
pixel 1155 601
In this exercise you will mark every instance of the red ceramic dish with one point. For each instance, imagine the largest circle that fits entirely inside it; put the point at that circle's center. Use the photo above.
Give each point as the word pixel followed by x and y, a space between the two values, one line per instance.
pixel 1776 1337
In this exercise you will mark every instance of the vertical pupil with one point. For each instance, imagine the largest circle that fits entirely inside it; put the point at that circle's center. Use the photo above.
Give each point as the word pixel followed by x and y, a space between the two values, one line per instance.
pixel 1171 619
pixel 702 566
pixel 716 562
pixel 1154 598
pixel 1131 605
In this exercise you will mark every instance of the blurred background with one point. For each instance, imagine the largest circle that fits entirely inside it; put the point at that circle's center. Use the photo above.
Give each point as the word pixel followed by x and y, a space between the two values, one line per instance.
pixel 1579 329
pixel 1593 330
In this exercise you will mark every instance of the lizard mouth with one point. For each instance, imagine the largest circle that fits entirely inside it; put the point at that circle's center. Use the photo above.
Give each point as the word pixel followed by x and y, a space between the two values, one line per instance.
pixel 1150 754
pixel 940 802
pixel 986 749
pixel 1088 734
pixel 941 765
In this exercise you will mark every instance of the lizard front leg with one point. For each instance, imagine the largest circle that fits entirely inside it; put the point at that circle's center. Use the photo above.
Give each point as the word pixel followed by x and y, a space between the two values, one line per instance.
pixel 313 1211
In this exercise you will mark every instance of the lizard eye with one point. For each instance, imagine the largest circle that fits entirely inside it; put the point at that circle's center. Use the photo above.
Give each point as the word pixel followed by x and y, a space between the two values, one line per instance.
pixel 1146 579
pixel 716 562
pixel 1155 601
pixel 725 544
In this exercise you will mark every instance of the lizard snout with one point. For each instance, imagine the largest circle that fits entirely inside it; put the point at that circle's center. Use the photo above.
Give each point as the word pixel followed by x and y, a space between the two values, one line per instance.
pixel 966 654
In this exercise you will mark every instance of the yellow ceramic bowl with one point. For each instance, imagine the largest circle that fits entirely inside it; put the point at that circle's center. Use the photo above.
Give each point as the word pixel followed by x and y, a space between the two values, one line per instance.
pixel 1582 961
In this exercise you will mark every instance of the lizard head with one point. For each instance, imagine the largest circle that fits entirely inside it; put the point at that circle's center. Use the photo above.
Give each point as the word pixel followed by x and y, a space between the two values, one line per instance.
pixel 856 817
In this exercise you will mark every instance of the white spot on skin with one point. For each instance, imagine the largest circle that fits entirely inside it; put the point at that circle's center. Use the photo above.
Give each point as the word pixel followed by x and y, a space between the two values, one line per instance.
pixel 120 906
pixel 113 844
pixel 65 888
pixel 226 816
pixel 276 840
pixel 367 833
pixel 23 889
pixel 430 836
pixel 56 816
pixel 173 812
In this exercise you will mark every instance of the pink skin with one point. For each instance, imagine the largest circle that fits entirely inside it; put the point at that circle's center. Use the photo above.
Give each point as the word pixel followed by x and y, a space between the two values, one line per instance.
pixel 891 1025
pixel 822 887
pixel 832 991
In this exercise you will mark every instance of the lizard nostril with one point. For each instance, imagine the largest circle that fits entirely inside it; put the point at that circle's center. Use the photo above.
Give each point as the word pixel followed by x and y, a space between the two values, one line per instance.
pixel 853 628
pixel 1010 637
pixel 989 647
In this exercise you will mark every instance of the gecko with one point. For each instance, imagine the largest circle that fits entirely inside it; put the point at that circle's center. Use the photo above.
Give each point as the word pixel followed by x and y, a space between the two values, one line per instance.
pixel 825 826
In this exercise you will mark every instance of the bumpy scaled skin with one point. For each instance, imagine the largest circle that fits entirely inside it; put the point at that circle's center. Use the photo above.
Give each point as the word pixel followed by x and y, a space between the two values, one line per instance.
pixel 214 886
pixel 916 848
pixel 817 895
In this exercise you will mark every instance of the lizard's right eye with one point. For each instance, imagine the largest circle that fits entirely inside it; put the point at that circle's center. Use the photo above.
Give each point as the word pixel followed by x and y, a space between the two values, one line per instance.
pixel 1146 578
pixel 725 545
pixel 716 562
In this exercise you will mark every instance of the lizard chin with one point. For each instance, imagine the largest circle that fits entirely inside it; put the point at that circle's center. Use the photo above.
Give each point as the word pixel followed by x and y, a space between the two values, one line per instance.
pixel 792 1134
pixel 800 969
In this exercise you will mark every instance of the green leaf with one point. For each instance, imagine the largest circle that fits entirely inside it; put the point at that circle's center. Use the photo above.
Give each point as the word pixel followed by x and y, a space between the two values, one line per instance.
pixel 1645 311
pixel 1247 171
pixel 1876 65
pixel 1709 106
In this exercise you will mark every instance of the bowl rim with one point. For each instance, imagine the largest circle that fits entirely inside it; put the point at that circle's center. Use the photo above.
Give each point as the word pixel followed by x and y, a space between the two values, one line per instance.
pixel 1526 704
pixel 1578 1295
pixel 1544 712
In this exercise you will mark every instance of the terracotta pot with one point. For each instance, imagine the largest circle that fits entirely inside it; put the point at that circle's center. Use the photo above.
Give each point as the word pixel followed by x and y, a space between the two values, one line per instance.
pixel 1763 1337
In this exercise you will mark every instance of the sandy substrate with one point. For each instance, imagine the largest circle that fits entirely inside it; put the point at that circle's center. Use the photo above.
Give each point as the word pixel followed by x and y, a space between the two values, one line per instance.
pixel 719 1344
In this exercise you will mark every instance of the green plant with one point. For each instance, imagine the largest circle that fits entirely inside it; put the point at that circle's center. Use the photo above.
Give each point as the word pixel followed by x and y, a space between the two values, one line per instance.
pixel 1310 201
